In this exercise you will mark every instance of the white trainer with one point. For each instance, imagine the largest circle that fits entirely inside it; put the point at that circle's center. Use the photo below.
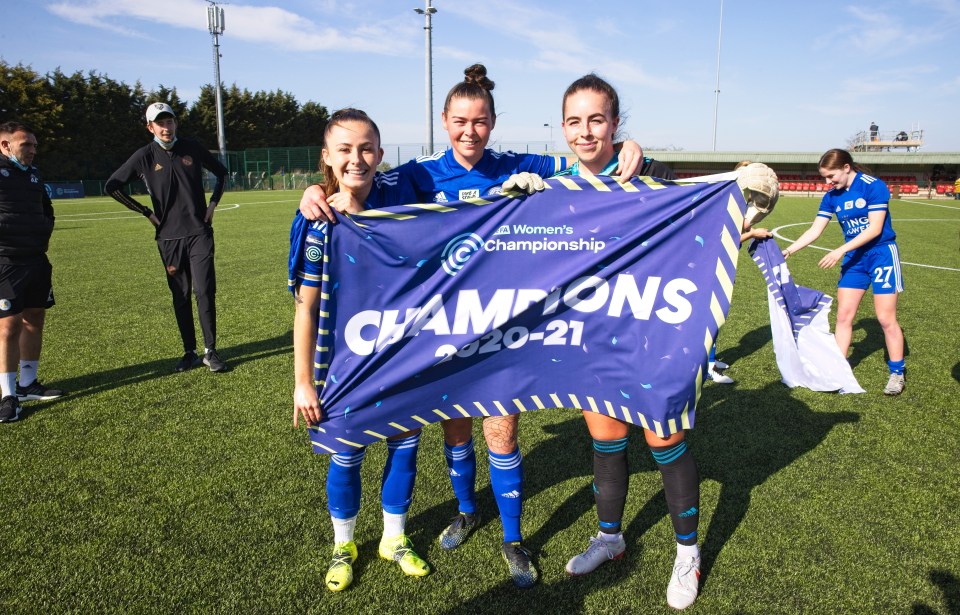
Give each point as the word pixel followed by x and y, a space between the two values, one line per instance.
pixel 895 385
pixel 684 582
pixel 598 552
pixel 720 365
pixel 714 375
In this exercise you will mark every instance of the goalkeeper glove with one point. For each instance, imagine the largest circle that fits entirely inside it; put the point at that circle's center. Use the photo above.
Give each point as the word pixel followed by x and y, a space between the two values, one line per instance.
pixel 524 182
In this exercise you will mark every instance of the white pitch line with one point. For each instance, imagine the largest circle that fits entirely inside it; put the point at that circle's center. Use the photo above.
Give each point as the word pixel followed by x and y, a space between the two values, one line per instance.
pixel 776 233
pixel 130 216
pixel 928 204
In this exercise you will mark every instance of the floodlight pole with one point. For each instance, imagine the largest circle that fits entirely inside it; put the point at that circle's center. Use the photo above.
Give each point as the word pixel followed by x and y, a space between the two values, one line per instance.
pixel 716 104
pixel 428 28
pixel 215 26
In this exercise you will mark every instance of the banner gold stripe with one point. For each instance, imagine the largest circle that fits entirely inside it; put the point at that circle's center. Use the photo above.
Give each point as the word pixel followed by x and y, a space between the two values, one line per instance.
pixel 420 420
pixel 481 408
pixel 575 403
pixel 439 207
pixel 349 443
pixel 725 282
pixel 597 183
pixel 734 210
pixel 651 183
pixel 379 213
pixel 441 414
pixel 717 310
pixel 568 183
pixel 370 432
pixel 730 246
pixel 537 401
pixel 556 400
pixel 500 407
pixel 643 421
pixel 398 426
pixel 519 405
pixel 462 411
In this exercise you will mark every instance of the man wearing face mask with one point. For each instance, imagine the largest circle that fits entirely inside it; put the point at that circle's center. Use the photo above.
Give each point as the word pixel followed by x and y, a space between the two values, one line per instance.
pixel 172 169
pixel 26 223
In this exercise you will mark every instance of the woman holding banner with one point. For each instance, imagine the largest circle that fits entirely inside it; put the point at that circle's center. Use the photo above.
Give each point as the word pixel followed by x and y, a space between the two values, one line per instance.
pixel 591 118
pixel 468 169
pixel 350 155
pixel 870 255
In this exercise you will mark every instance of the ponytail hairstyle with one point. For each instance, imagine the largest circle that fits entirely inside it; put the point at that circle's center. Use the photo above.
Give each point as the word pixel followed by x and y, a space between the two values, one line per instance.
pixel 594 83
pixel 836 158
pixel 330 184
pixel 475 86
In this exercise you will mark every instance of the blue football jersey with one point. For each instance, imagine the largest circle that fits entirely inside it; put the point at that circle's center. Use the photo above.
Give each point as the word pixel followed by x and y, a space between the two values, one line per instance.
pixel 443 179
pixel 852 206
pixel 305 262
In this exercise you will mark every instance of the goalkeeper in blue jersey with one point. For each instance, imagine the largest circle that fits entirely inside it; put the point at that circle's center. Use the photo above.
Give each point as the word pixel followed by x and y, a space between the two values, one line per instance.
pixel 870 258
pixel 351 153
pixel 591 118
pixel 470 170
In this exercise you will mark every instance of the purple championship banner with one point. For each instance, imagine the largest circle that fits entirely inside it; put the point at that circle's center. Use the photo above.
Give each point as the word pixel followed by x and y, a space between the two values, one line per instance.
pixel 587 295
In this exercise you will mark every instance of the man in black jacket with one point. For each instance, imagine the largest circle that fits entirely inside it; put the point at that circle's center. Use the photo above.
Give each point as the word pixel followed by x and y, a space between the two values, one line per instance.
pixel 26 223
pixel 172 169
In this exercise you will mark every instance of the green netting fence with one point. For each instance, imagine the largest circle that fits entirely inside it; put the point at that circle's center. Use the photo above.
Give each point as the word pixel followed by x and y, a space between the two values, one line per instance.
pixel 291 168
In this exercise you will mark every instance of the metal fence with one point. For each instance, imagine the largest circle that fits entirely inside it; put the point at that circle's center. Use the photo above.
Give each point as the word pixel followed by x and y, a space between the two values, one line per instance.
pixel 295 168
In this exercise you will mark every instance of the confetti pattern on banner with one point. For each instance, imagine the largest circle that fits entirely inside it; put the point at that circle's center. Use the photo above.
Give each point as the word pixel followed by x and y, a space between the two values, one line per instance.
pixel 587 295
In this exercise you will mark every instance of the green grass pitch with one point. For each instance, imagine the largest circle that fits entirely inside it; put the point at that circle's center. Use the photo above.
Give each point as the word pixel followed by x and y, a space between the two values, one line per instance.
pixel 146 491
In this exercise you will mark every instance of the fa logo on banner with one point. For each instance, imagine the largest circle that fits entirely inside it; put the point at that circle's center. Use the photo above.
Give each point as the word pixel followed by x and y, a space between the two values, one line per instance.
pixel 503 230
pixel 459 250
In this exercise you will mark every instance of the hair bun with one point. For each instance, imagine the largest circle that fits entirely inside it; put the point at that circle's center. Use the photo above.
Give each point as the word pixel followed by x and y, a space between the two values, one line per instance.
pixel 477 74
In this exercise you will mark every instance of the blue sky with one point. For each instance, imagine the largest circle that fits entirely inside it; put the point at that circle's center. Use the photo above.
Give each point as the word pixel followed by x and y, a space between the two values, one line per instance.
pixel 793 76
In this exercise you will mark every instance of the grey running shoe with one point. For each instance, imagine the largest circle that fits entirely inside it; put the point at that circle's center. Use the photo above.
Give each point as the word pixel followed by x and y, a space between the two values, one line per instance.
pixel 895 385
pixel 460 527
pixel 36 391
pixel 598 552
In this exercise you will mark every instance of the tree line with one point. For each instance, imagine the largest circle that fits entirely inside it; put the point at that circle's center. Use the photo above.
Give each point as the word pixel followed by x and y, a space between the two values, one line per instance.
pixel 89 124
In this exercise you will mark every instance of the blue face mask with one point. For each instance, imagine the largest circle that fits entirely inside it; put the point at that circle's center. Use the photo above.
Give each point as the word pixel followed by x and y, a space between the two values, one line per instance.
pixel 166 146
pixel 17 163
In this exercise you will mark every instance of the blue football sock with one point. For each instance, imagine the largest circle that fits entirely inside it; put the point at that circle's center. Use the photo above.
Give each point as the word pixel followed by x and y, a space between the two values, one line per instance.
pixel 462 466
pixel 506 480
pixel 343 484
pixel 399 474
pixel 897 367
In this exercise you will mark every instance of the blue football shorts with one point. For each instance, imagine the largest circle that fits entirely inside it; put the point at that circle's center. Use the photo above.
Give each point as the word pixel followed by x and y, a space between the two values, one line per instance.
pixel 878 267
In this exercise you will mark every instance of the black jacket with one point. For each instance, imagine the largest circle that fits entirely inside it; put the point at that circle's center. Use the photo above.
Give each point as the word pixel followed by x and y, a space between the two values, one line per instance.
pixel 26 214
pixel 174 179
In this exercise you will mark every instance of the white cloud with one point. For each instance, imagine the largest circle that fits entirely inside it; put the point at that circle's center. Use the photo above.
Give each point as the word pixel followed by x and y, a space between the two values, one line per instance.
pixel 561 44
pixel 269 25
